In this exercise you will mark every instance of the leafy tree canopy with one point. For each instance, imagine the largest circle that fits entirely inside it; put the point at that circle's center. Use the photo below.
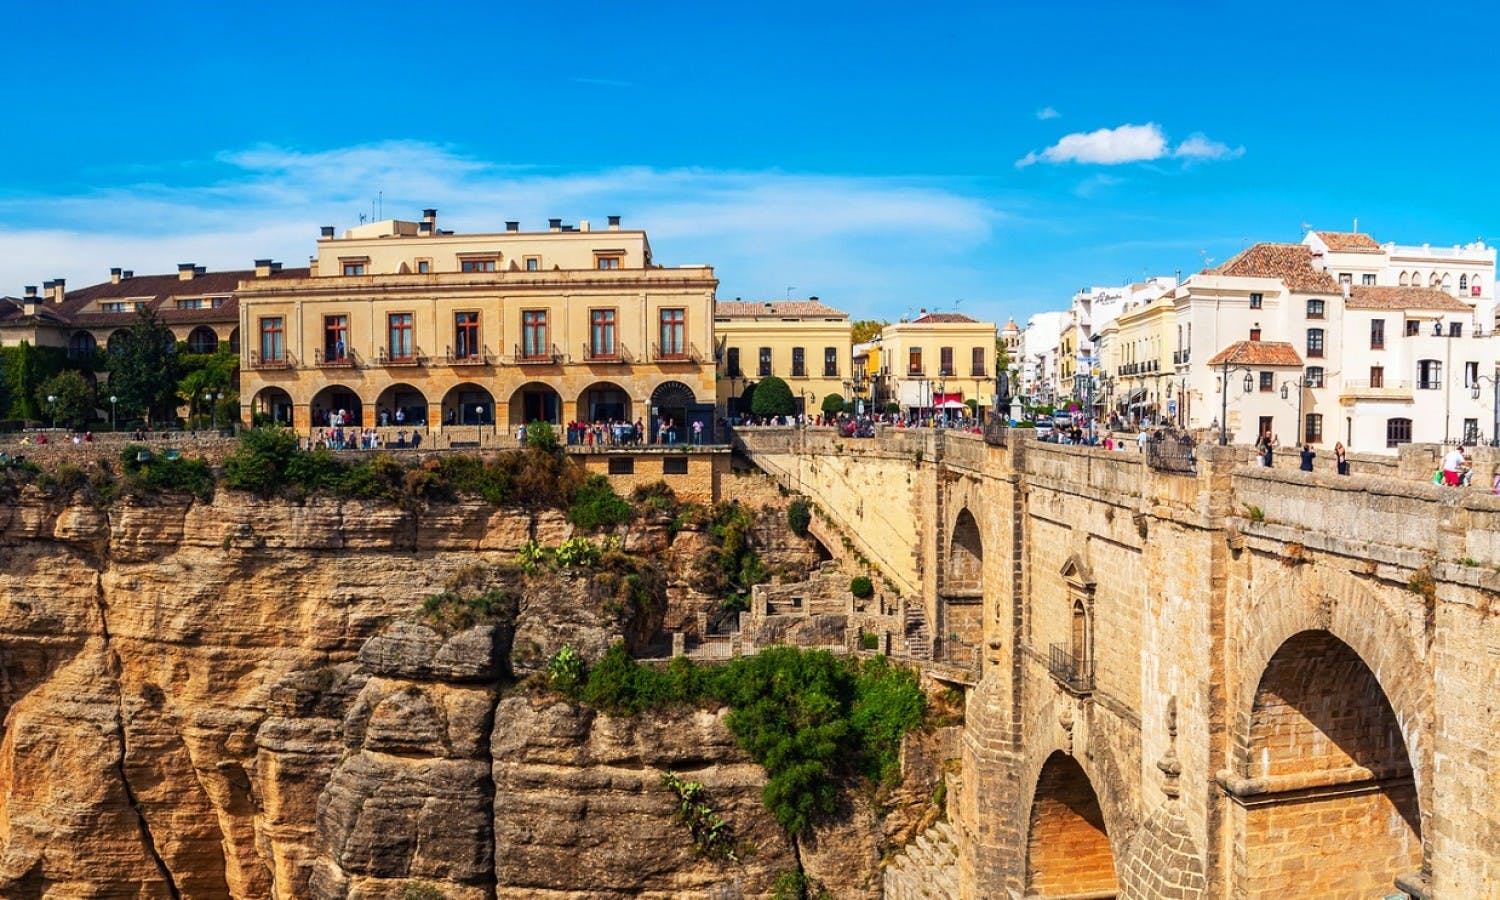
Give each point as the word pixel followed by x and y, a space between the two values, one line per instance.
pixel 772 397
pixel 67 398
pixel 866 329
pixel 144 368
pixel 833 404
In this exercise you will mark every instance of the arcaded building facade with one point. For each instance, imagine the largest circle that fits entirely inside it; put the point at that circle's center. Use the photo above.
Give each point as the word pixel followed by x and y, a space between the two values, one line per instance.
pixel 401 323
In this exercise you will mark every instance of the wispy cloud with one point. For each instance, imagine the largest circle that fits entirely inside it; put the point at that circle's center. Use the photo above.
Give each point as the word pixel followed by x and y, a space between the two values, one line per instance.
pixel 1127 144
pixel 1048 112
pixel 849 239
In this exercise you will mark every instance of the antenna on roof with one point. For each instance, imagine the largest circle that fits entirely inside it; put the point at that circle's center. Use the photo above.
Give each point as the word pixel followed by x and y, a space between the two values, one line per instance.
pixel 789 292
pixel 380 199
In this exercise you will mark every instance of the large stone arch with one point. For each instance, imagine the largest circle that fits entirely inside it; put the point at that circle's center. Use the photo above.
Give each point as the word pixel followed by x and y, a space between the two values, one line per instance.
pixel 1327 806
pixel 962 595
pixel 1069 851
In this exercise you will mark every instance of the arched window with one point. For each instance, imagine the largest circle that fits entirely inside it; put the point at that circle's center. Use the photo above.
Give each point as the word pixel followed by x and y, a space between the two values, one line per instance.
pixel 1474 285
pixel 81 346
pixel 1448 281
pixel 1463 283
pixel 1405 278
pixel 1435 281
pixel 203 340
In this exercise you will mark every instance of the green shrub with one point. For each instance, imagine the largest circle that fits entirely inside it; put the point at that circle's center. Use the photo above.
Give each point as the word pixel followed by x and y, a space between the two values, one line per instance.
pixel 149 473
pixel 772 397
pixel 861 586
pixel 470 476
pixel 712 836
pixel 596 505
pixel 799 517
pixel 260 462
pixel 451 610
pixel 869 641
pixel 566 671
pixel 542 436
pixel 794 884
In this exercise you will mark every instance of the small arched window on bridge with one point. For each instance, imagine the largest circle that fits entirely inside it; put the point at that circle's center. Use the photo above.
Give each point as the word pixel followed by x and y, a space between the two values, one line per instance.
pixel 1072 662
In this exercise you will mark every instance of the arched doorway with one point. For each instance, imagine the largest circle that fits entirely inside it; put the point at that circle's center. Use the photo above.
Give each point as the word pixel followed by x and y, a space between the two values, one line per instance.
pixel 340 400
pixel 672 405
pixel 202 340
pixel 604 402
pixel 965 554
pixel 963 594
pixel 1068 853
pixel 81 346
pixel 401 404
pixel 535 402
pixel 1339 814
pixel 468 404
pixel 272 405
pixel 234 341
pixel 116 340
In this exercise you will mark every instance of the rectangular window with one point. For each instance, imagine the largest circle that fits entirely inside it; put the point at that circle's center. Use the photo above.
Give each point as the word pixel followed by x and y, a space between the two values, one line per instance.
pixel 335 337
pixel 1397 432
pixel 673 332
pixel 1268 381
pixel 398 329
pixel 732 363
pixel 621 465
pixel 1377 376
pixel 219 302
pixel 764 367
pixel 1313 430
pixel 1256 300
pixel 1255 334
pixel 602 332
pixel 1367 278
pixel 272 340
pixel 607 262
pixel 1455 329
pixel 799 363
pixel 466 335
pixel 945 361
pixel 1471 374
pixel 190 303
pixel 1377 334
pixel 1429 374
pixel 1471 431
pixel 424 267
pixel 1315 309
pixel 1314 342
pixel 830 362
pixel 1413 327
pixel 1346 278
pixel 1313 377
pixel 914 361
pixel 533 263
pixel 534 333
pixel 354 268
pixel 476 265
pixel 674 465
pixel 976 363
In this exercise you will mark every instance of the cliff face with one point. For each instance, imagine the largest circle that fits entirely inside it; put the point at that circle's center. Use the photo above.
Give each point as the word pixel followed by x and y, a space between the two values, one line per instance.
pixel 232 700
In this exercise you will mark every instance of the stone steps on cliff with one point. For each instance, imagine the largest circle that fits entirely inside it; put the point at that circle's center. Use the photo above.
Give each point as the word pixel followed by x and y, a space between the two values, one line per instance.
pixel 918 640
pixel 927 869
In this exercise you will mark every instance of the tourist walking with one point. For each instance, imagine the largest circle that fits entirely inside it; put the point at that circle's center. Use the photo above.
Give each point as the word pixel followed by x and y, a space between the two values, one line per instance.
pixel 1341 458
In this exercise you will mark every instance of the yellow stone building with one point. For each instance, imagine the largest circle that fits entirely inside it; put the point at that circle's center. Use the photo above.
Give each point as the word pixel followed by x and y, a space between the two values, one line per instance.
pixel 804 342
pixel 1138 359
pixel 938 362
pixel 401 323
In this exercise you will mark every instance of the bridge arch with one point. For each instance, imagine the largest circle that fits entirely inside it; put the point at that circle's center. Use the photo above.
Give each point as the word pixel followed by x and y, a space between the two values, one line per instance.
pixel 1330 805
pixel 961 599
pixel 1068 848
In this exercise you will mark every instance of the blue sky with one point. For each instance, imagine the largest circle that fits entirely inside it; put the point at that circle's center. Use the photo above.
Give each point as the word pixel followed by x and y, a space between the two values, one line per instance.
pixel 987 157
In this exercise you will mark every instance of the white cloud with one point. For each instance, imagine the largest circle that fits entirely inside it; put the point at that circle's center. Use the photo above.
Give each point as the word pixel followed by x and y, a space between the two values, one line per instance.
pixel 1127 144
pixel 1048 112
pixel 851 240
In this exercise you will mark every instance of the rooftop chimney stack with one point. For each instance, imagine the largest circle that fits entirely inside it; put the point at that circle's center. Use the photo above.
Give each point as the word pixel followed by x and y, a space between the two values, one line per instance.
pixel 583 224
pixel 614 223
pixel 29 306
pixel 429 216
pixel 512 227
pixel 262 268
pixel 424 228
pixel 127 274
pixel 114 275
pixel 326 232
pixel 59 290
pixel 185 271
pixel 554 225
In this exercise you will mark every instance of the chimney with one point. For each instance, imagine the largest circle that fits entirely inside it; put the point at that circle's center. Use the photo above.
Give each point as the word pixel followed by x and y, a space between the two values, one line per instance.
pixel 199 270
pixel 262 268
pixel 185 271
pixel 127 274
pixel 614 223
pixel 114 275
pixel 583 224
pixel 424 228
pixel 429 216
pixel 554 225
pixel 327 232
pixel 59 290
pixel 812 299
pixel 512 227
pixel 29 306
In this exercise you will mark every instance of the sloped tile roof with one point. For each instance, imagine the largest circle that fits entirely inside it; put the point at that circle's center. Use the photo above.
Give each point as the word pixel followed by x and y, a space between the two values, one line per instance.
pixel 1257 353
pixel 160 294
pixel 1348 242
pixel 943 318
pixel 1292 263
pixel 1372 297
pixel 801 309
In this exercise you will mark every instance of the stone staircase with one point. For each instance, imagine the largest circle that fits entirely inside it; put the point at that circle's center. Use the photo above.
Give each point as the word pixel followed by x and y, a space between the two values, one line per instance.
pixel 918 638
pixel 927 868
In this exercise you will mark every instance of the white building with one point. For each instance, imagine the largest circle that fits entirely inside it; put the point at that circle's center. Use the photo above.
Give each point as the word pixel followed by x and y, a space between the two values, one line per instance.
pixel 1038 360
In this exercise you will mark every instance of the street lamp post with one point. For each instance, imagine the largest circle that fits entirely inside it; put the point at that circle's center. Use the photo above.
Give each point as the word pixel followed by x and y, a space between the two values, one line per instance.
pixel 112 401
pixel 1226 371
pixel 1300 384
pixel 52 408
pixel 1474 392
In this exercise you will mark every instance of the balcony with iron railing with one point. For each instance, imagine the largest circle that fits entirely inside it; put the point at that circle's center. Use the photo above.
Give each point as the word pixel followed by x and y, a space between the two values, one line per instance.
pixel 1077 675
pixel 611 353
pixel 283 361
pixel 679 353
pixel 333 359
pixel 536 356
pixel 386 359
pixel 480 357
pixel 1383 389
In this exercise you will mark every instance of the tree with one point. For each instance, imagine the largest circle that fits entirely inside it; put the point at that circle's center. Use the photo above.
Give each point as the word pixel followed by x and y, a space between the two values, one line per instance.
pixel 210 374
pixel 5 392
pixel 833 405
pixel 67 398
pixel 772 398
pixel 866 329
pixel 144 369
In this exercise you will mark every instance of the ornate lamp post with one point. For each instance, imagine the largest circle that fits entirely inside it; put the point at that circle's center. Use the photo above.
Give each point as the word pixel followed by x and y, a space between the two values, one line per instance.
pixel 1474 392
pixel 112 401
pixel 1300 384
pixel 52 408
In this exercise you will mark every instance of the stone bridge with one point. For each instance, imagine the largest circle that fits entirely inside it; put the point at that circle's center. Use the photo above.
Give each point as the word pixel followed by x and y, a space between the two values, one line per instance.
pixel 1240 682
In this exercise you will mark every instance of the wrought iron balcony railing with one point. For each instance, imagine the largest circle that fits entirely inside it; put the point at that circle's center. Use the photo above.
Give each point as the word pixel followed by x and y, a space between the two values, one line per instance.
pixel 536 356
pixel 283 361
pixel 334 359
pixel 1077 675
pixel 480 357
pixel 617 353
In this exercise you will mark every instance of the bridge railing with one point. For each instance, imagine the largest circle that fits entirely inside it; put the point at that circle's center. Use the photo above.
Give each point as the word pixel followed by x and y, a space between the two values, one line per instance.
pixel 1172 451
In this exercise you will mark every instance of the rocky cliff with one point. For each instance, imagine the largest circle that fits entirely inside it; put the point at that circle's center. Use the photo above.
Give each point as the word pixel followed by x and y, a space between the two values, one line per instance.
pixel 243 699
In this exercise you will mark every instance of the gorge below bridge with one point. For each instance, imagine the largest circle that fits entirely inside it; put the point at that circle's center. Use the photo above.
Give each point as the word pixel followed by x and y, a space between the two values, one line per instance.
pixel 1229 682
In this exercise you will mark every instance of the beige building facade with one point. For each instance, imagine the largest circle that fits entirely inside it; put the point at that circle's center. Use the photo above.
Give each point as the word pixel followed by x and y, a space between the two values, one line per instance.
pixel 400 323
pixel 938 362
pixel 804 342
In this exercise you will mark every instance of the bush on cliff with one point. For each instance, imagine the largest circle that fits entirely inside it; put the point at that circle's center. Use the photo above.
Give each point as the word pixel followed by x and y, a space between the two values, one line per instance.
pixel 147 472
pixel 799 517
pixel 596 505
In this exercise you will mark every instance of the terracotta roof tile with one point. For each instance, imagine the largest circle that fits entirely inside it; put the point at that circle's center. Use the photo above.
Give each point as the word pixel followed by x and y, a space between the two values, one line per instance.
pixel 778 309
pixel 1257 353
pixel 1372 297
pixel 159 293
pixel 943 319
pixel 1292 263
pixel 1348 242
